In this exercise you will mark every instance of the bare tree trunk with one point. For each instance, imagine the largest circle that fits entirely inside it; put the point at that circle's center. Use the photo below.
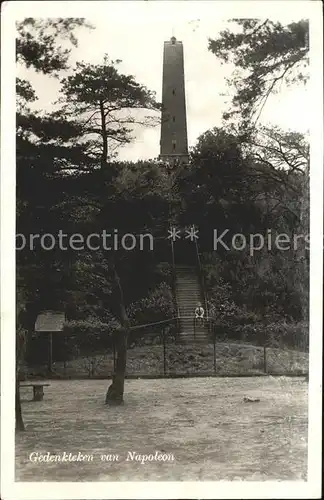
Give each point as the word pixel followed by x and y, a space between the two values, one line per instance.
pixel 115 393
pixel 21 337
pixel 19 420
pixel 20 353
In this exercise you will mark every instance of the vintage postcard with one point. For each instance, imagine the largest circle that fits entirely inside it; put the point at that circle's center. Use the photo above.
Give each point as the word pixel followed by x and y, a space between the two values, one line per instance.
pixel 161 249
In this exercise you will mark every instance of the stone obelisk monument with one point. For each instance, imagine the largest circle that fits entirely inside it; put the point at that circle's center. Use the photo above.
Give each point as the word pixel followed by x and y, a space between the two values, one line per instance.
pixel 174 142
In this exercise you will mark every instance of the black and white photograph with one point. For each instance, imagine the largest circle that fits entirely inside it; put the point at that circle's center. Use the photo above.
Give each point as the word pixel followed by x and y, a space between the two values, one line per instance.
pixel 161 249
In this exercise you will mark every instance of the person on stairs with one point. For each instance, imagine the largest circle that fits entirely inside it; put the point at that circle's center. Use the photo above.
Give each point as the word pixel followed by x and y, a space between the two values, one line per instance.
pixel 199 314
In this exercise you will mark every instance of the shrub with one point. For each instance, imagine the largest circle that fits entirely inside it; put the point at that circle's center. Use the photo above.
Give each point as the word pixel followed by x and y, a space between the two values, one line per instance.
pixel 157 306
pixel 267 283
pixel 164 272
pixel 88 336
pixel 277 335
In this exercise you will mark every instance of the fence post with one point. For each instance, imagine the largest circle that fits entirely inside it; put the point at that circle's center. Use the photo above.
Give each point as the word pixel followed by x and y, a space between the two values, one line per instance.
pixel 164 351
pixel 114 350
pixel 214 339
pixel 64 361
pixel 178 327
pixel 265 358
pixel 50 352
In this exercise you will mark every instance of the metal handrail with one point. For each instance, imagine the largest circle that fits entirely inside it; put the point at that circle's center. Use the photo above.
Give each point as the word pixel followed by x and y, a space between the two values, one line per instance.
pixel 163 322
pixel 174 279
pixel 201 279
pixel 169 320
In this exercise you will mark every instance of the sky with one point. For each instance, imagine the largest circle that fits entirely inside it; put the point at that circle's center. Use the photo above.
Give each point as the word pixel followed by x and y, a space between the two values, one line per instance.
pixel 137 39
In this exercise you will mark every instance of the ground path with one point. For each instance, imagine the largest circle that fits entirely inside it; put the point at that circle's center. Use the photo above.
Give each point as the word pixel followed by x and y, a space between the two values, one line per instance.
pixel 203 422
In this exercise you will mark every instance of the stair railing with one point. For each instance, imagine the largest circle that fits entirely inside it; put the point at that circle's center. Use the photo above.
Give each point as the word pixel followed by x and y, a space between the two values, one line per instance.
pixel 201 278
pixel 174 284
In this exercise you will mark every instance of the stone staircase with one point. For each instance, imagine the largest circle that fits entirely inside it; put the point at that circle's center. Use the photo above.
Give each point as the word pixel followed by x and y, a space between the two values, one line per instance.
pixel 188 295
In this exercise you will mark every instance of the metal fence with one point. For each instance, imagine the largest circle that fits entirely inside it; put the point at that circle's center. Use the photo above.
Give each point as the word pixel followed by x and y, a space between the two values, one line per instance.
pixel 160 350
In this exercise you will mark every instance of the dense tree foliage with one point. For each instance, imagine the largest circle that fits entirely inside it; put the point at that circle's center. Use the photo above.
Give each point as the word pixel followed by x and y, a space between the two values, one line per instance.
pixel 39 42
pixel 255 187
pixel 264 54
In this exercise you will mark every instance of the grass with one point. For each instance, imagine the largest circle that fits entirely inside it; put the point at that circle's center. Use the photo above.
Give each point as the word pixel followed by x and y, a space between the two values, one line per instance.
pixel 203 422
pixel 231 359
